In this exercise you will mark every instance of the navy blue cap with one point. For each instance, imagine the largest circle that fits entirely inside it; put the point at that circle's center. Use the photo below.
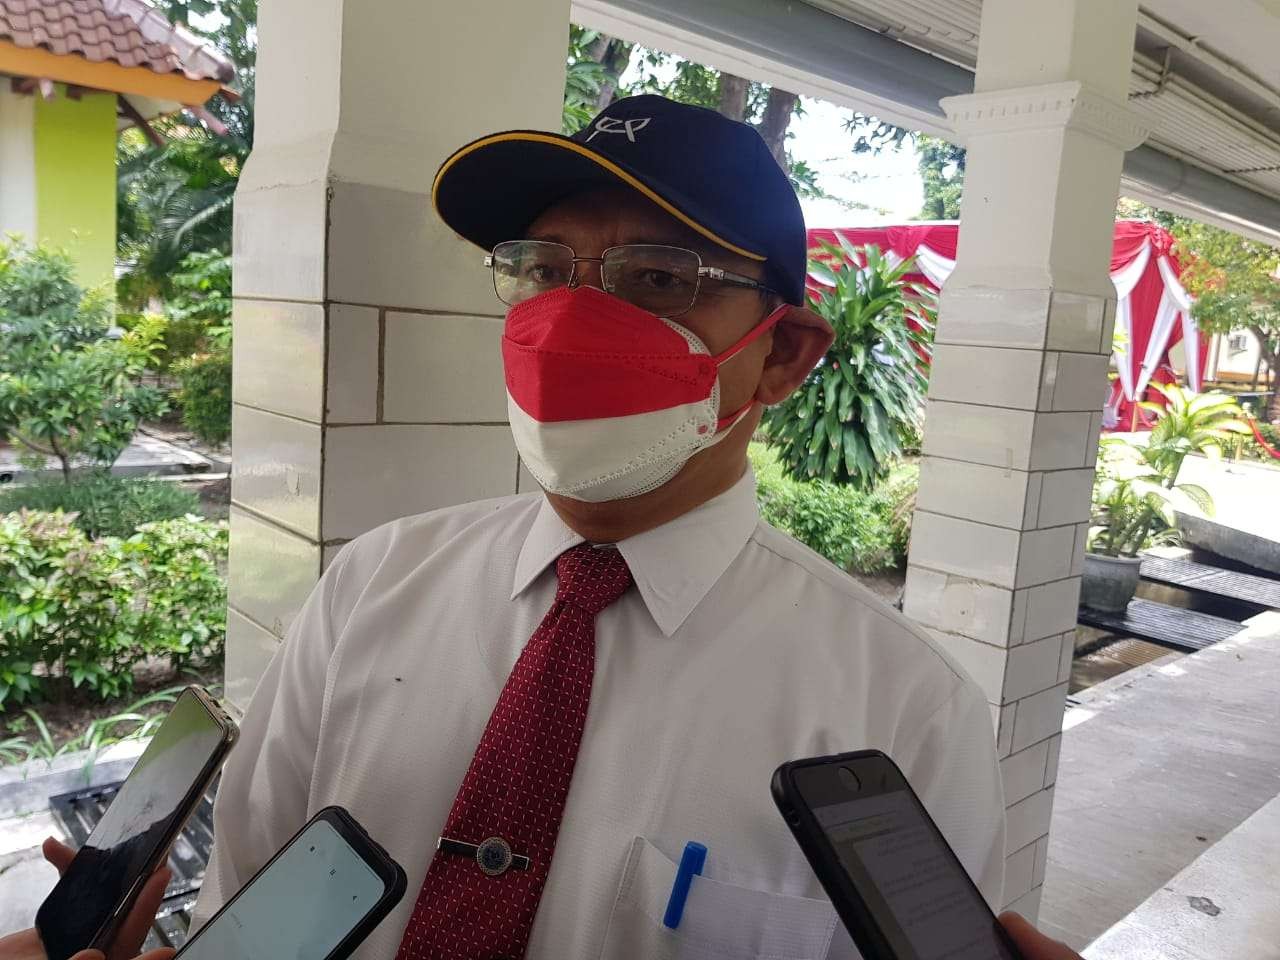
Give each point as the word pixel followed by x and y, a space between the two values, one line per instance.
pixel 713 174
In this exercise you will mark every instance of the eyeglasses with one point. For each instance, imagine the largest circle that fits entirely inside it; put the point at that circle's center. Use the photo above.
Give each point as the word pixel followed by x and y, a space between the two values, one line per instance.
pixel 659 279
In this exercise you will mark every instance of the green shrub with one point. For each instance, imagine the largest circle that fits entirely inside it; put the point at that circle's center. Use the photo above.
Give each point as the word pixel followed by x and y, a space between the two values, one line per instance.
pixel 857 531
pixel 182 605
pixel 89 611
pixel 105 506
pixel 859 409
pixel 205 395
pixel 67 391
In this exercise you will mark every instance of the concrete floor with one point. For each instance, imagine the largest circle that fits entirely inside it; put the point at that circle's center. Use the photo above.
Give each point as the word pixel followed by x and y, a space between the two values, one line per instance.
pixel 1225 906
pixel 1156 767
pixel 145 456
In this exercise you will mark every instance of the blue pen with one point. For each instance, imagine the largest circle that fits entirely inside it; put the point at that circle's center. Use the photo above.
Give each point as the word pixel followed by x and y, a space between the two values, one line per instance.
pixel 691 863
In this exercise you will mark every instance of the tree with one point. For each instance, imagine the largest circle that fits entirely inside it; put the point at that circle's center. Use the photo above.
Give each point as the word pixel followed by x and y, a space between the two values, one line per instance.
pixel 941 166
pixel 940 162
pixel 595 69
pixel 66 390
pixel 1236 283
pixel 177 199
pixel 847 422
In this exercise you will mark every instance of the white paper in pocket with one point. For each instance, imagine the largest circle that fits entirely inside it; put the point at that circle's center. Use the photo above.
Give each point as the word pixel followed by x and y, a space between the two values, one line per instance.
pixel 722 921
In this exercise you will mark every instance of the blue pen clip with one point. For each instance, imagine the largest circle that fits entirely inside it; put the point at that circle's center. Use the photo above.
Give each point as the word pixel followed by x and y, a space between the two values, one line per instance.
pixel 691 863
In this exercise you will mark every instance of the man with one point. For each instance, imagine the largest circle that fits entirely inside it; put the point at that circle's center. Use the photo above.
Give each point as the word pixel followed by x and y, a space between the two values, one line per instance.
pixel 438 680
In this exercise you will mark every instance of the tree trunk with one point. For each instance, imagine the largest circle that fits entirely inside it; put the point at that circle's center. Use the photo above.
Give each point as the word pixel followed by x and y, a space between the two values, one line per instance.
pixel 62 459
pixel 1269 352
pixel 615 56
pixel 733 96
pixel 777 117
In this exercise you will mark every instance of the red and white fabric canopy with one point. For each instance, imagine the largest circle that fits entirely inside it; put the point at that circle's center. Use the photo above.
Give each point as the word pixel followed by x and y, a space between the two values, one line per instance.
pixel 1153 311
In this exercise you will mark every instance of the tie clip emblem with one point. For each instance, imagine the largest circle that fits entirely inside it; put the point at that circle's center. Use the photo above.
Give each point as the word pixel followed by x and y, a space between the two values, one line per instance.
pixel 493 856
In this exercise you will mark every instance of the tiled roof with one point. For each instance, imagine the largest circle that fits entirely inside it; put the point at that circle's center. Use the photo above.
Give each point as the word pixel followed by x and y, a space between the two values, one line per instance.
pixel 130 33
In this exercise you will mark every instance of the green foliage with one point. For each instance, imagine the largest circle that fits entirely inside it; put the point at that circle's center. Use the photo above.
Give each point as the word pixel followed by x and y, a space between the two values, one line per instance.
pixel 941 166
pixel 1136 494
pixel 848 421
pixel 88 611
pixel 205 395
pixel 1203 423
pixel 1250 449
pixel 102 505
pixel 65 390
pixel 175 200
pixel 857 531
pixel 1236 283
pixel 1134 505
pixel 129 724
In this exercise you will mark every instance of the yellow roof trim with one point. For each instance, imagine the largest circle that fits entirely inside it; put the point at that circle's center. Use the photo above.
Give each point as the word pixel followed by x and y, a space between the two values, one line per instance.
pixel 613 168
pixel 111 77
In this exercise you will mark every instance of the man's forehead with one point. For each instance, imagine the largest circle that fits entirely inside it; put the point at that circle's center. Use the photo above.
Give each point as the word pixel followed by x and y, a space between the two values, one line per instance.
pixel 616 215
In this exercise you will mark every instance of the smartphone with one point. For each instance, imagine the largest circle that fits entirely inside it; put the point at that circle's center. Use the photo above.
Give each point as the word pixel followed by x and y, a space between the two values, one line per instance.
pixel 134 835
pixel 317 898
pixel 897 885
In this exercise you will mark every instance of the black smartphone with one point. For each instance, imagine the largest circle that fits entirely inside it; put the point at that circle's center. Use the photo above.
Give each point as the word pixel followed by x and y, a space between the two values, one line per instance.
pixel 317 898
pixel 895 882
pixel 134 835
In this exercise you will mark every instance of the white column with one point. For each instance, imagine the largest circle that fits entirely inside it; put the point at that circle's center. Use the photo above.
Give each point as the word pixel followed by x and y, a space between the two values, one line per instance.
pixel 17 163
pixel 368 379
pixel 1018 381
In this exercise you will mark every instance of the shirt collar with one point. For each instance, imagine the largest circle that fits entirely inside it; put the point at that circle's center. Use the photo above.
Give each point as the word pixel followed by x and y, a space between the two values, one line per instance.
pixel 674 566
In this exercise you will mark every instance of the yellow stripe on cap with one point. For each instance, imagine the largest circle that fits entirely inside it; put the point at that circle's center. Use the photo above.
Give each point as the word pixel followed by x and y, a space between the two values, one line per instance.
pixel 613 168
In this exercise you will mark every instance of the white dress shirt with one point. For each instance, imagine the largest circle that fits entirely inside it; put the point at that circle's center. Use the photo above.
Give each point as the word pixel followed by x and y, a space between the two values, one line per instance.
pixel 737 650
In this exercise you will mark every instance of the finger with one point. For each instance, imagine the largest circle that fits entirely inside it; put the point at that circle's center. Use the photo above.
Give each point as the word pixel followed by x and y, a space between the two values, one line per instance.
pixel 164 953
pixel 133 931
pixel 89 955
pixel 58 854
pixel 1033 944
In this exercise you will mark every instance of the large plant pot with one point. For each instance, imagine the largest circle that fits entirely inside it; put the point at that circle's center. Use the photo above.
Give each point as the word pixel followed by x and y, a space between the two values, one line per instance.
pixel 1109 582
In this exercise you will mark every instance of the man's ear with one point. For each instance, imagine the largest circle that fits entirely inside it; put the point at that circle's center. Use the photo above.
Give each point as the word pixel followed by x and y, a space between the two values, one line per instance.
pixel 799 341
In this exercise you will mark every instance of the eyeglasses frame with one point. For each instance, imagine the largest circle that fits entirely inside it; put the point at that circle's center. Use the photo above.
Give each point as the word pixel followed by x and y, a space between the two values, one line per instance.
pixel 718 274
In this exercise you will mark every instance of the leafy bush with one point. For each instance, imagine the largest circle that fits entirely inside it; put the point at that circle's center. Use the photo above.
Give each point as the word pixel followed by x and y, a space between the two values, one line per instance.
pixel 851 419
pixel 857 531
pixel 90 610
pixel 66 391
pixel 103 505
pixel 205 395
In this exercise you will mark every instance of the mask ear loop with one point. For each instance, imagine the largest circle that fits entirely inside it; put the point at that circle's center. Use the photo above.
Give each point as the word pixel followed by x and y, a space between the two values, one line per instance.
pixel 764 326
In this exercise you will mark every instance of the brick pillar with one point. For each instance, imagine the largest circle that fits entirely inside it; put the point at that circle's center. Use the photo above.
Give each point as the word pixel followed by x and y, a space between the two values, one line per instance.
pixel 368 380
pixel 1018 381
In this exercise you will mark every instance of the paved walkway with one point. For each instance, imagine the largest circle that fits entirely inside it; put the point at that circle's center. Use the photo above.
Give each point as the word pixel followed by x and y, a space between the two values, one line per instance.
pixel 1157 766
pixel 146 455
pixel 1225 906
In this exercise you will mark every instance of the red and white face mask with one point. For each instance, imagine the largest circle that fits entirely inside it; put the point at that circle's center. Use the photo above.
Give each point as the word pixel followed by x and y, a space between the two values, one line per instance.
pixel 606 400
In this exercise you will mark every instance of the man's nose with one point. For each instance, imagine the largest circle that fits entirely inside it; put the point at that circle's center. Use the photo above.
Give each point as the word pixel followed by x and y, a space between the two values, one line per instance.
pixel 587 273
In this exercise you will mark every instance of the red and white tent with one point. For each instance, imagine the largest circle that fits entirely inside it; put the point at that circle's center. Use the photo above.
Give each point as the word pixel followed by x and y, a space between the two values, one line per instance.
pixel 1153 311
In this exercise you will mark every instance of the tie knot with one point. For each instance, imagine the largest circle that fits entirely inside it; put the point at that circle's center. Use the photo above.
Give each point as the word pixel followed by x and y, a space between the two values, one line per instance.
pixel 591 577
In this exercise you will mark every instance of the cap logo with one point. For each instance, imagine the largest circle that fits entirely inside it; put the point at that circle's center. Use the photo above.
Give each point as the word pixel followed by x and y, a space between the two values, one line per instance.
pixel 614 125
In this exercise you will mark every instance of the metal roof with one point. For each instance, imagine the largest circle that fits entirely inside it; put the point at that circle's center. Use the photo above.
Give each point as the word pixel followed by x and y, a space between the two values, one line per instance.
pixel 1205 79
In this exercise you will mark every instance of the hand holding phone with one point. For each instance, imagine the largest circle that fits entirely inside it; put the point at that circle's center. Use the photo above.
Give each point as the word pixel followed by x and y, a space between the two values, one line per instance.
pixel 103 879
pixel 316 899
pixel 895 882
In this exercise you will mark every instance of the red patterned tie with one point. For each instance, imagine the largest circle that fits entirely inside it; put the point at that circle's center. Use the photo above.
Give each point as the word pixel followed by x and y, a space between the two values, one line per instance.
pixel 482 889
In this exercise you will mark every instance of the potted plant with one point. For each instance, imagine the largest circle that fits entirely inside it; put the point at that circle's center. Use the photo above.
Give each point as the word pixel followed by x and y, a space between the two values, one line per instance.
pixel 1133 509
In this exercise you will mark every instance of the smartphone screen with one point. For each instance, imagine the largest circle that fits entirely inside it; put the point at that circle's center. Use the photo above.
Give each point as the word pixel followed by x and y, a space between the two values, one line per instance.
pixel 301 905
pixel 148 809
pixel 900 864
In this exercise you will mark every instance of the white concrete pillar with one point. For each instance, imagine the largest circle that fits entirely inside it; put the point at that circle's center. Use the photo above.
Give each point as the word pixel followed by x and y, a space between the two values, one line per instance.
pixel 1019 378
pixel 368 380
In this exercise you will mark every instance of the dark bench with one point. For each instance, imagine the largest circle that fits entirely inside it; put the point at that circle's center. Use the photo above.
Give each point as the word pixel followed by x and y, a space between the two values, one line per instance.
pixel 1203 578
pixel 77 813
pixel 1159 623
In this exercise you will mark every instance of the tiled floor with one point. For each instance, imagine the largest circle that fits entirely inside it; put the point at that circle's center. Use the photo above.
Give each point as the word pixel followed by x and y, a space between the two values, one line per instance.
pixel 1159 765
pixel 1222 907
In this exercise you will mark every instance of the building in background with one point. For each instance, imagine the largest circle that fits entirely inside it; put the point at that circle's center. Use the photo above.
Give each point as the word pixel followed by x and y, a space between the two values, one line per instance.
pixel 73 73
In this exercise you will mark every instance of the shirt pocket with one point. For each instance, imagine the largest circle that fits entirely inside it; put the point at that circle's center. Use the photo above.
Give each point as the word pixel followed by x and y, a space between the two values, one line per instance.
pixel 721 921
